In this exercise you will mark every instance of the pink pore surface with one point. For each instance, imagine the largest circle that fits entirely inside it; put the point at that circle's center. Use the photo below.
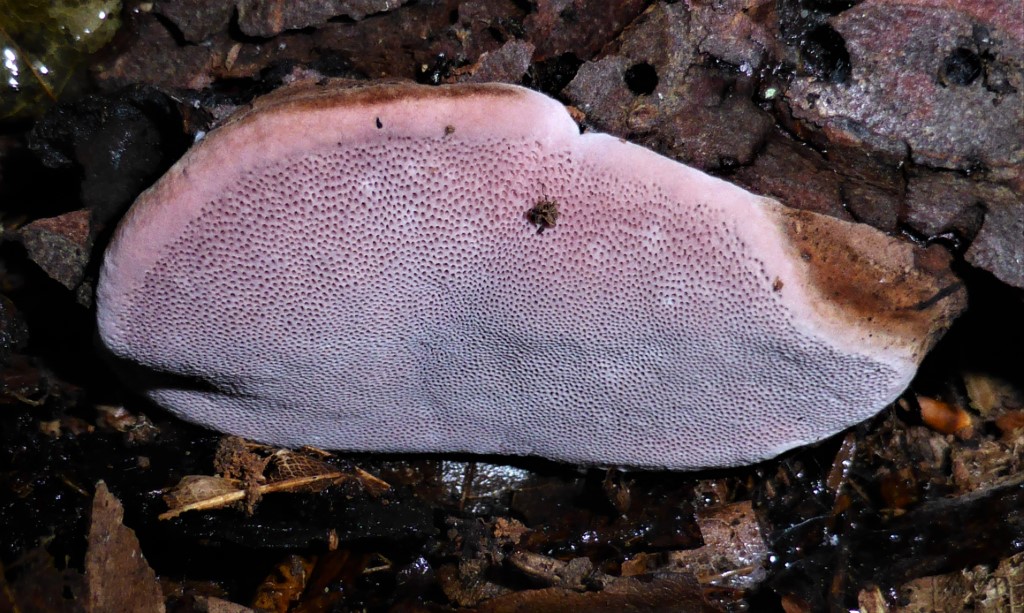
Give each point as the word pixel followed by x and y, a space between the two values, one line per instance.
pixel 389 294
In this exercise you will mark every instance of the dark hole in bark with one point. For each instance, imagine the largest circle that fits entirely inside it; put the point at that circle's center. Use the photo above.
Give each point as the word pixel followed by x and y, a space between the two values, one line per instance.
pixel 961 67
pixel 553 74
pixel 641 79
pixel 824 55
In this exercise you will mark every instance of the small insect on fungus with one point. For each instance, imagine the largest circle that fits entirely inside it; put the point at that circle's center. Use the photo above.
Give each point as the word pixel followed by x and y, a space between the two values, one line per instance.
pixel 544 214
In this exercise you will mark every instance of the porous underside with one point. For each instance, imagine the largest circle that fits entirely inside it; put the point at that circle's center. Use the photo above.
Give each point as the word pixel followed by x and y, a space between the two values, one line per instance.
pixel 388 293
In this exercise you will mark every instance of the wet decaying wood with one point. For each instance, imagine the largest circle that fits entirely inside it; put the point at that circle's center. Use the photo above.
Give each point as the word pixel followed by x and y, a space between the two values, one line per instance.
pixel 917 509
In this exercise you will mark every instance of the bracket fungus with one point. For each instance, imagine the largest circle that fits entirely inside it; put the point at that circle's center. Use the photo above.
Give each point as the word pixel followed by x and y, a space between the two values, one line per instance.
pixel 361 268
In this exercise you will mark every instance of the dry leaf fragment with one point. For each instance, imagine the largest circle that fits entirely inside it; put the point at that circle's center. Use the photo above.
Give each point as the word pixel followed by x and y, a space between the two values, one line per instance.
pixel 218 605
pixel 981 588
pixel 117 576
pixel 508 529
pixel 1009 422
pixel 33 583
pixel 989 393
pixel 734 552
pixel 871 600
pixel 987 465
pixel 679 593
pixel 553 572
pixel 254 475
pixel 201 492
pixel 284 586
pixel 617 489
pixel 467 584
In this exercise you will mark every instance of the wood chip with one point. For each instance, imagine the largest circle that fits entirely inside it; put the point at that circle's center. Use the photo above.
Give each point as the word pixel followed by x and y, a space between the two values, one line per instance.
pixel 117 575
